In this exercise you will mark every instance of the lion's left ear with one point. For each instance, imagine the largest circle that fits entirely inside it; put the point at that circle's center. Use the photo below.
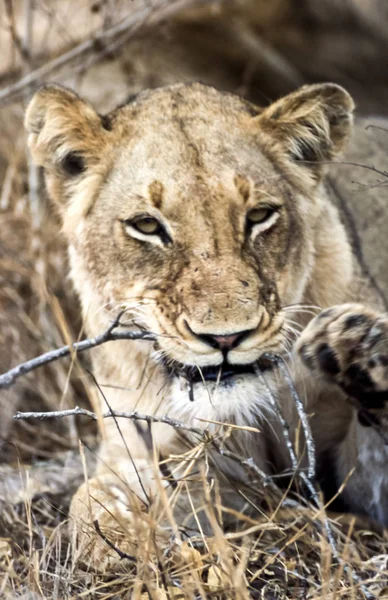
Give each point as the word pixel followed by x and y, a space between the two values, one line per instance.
pixel 310 125
pixel 68 138
pixel 65 132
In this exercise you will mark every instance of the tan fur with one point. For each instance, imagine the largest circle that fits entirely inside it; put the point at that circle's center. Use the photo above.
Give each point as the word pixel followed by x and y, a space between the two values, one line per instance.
pixel 198 161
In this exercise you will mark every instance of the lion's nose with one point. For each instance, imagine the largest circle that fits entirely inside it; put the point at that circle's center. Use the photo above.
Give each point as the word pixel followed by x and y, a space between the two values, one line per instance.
pixel 224 342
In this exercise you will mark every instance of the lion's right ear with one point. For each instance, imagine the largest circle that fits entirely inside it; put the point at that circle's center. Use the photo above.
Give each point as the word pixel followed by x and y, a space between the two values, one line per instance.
pixel 65 133
pixel 308 128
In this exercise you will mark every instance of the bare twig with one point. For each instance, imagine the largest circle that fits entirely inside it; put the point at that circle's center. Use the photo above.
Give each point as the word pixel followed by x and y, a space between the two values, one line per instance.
pixel 33 171
pixel 249 465
pixel 311 473
pixel 12 28
pixel 307 478
pixel 372 126
pixel 122 439
pixel 134 416
pixel 28 30
pixel 367 167
pixel 275 406
pixel 110 335
pixel 150 15
pixel 6 189
pixel 121 554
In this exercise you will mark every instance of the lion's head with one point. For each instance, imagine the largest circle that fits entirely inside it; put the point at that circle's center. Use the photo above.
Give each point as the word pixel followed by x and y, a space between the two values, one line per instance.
pixel 198 212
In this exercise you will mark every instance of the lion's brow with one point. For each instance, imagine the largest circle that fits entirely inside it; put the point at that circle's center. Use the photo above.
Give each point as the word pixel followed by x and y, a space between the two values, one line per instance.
pixel 155 190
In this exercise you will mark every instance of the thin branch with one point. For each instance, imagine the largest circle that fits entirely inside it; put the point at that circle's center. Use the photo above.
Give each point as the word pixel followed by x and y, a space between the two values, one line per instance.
pixel 110 335
pixel 28 30
pixel 275 406
pixel 134 416
pixel 33 171
pixel 121 554
pixel 250 465
pixel 12 28
pixel 307 478
pixel 55 64
pixel 311 473
pixel 337 163
pixel 122 439
pixel 6 189
pixel 370 186
pixel 151 15
pixel 354 164
pixel 371 126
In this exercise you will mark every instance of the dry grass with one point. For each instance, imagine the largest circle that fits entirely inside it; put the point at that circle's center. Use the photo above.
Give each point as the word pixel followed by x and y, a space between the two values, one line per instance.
pixel 275 552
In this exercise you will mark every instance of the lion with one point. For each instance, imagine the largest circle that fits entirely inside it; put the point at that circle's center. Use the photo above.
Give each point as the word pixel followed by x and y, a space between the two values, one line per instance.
pixel 208 221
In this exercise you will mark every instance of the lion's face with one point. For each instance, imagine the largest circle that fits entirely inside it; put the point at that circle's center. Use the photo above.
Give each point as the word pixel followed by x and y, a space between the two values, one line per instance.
pixel 193 211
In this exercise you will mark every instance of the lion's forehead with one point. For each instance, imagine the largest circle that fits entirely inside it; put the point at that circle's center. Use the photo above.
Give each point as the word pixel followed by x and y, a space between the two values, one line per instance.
pixel 190 167
pixel 167 150
pixel 179 135
pixel 185 102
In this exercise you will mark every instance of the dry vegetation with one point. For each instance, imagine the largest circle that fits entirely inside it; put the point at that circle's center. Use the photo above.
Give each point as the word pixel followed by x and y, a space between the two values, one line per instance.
pixel 291 548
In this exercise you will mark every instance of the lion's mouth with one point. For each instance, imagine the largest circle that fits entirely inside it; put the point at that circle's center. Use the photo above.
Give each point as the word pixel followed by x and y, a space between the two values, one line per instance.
pixel 224 375
pixel 217 373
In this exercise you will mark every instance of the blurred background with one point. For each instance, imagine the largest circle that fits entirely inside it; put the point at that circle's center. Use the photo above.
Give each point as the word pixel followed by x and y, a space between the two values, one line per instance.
pixel 109 50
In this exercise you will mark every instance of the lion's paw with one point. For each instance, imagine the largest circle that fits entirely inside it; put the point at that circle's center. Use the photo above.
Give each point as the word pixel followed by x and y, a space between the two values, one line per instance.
pixel 105 524
pixel 348 345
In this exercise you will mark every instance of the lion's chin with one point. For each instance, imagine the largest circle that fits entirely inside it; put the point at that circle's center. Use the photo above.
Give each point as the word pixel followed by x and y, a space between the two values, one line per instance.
pixel 234 395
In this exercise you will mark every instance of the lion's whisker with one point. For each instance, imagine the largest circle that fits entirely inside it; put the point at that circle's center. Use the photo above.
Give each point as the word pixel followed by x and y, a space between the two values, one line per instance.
pixel 297 326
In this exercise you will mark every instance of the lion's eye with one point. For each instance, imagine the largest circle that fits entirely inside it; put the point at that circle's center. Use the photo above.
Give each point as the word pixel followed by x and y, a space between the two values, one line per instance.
pixel 259 215
pixel 261 218
pixel 73 164
pixel 147 225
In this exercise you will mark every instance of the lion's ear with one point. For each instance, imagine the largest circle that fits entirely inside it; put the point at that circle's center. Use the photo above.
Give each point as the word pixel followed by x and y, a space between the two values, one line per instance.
pixel 310 125
pixel 65 133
